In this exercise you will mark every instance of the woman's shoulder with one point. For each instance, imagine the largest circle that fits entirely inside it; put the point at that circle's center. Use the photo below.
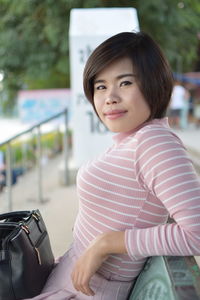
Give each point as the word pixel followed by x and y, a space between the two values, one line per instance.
pixel 156 131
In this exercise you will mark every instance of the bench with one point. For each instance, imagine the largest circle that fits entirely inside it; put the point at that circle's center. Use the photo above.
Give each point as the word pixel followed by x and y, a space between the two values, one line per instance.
pixel 168 278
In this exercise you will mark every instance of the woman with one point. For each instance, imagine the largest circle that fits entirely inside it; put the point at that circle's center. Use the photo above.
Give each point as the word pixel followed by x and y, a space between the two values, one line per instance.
pixel 127 194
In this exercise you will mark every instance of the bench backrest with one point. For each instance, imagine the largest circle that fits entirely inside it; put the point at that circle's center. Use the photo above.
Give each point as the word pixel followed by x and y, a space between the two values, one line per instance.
pixel 168 278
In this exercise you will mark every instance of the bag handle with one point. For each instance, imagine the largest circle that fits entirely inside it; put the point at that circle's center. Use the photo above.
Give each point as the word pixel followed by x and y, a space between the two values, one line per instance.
pixel 14 214
pixel 8 225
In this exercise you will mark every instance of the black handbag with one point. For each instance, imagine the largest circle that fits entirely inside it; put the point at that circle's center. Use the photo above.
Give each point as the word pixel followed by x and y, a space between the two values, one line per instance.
pixel 26 258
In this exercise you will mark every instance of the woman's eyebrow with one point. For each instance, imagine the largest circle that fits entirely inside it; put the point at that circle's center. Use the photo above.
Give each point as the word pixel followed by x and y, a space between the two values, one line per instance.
pixel 118 77
pixel 126 75
pixel 99 81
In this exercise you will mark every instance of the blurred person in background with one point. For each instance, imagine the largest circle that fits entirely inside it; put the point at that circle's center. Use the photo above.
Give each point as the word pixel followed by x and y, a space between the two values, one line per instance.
pixel 184 120
pixel 197 112
pixel 15 172
pixel 2 168
pixel 179 106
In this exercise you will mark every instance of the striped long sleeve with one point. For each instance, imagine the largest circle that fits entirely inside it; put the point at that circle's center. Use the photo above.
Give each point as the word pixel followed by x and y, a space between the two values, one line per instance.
pixel 163 168
pixel 133 187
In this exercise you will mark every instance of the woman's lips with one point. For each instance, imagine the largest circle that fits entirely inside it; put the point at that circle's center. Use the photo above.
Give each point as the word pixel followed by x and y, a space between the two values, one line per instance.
pixel 115 114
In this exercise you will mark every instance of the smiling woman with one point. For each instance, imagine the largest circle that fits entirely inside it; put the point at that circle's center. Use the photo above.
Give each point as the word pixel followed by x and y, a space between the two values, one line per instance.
pixel 127 194
pixel 117 97
pixel 149 67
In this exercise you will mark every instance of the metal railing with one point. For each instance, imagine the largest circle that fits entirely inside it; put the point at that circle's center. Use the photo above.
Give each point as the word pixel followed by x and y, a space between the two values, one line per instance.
pixel 36 127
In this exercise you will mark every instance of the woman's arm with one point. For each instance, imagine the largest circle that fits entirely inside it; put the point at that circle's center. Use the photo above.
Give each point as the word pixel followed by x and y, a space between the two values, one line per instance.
pixel 163 167
pixel 93 257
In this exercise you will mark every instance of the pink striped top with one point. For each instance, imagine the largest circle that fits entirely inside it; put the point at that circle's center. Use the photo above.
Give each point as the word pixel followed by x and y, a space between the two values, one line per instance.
pixel 133 187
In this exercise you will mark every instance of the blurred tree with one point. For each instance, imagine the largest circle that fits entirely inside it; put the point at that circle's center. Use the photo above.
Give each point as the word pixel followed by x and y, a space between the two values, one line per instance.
pixel 175 25
pixel 34 37
pixel 197 64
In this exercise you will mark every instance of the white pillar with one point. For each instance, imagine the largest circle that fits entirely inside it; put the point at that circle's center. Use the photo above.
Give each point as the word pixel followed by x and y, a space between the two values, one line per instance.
pixel 89 28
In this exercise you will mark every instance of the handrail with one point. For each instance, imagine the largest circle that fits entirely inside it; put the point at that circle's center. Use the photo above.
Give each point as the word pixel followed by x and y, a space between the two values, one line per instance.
pixel 34 126
pixel 39 166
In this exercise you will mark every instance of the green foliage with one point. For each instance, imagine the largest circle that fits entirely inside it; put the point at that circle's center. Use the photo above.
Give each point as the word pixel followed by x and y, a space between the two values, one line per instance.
pixel 51 143
pixel 34 52
pixel 18 153
pixel 32 33
pixel 175 25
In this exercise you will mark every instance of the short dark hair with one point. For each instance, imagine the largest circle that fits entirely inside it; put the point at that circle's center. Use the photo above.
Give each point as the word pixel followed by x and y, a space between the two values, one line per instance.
pixel 154 75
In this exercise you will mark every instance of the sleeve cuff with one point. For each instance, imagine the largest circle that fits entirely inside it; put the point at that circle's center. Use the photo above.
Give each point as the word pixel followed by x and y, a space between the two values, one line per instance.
pixel 129 237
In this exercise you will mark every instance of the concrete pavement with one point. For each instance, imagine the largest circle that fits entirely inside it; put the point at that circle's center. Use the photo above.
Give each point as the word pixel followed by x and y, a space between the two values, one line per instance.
pixel 191 139
pixel 59 206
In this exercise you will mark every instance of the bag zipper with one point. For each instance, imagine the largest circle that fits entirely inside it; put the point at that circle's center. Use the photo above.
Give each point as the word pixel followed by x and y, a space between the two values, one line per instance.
pixel 26 229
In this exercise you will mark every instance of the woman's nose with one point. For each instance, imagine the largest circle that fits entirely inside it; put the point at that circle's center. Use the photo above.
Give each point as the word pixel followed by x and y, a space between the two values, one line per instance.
pixel 112 99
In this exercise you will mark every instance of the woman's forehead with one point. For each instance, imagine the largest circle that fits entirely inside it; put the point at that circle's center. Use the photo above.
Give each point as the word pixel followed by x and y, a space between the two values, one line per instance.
pixel 118 67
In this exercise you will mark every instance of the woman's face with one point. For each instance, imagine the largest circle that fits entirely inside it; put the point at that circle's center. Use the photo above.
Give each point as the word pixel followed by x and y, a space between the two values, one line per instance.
pixel 117 97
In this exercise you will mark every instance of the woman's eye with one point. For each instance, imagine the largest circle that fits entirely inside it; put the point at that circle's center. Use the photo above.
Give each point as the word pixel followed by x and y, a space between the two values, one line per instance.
pixel 123 83
pixel 100 87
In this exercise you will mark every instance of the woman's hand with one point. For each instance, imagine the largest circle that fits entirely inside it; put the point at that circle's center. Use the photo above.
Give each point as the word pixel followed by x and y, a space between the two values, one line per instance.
pixel 84 268
pixel 91 260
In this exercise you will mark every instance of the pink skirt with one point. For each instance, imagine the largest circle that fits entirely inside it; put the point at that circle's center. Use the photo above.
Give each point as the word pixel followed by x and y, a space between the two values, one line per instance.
pixel 59 285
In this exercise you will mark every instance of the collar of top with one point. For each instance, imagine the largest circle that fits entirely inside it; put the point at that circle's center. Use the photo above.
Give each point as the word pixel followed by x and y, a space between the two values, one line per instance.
pixel 122 135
